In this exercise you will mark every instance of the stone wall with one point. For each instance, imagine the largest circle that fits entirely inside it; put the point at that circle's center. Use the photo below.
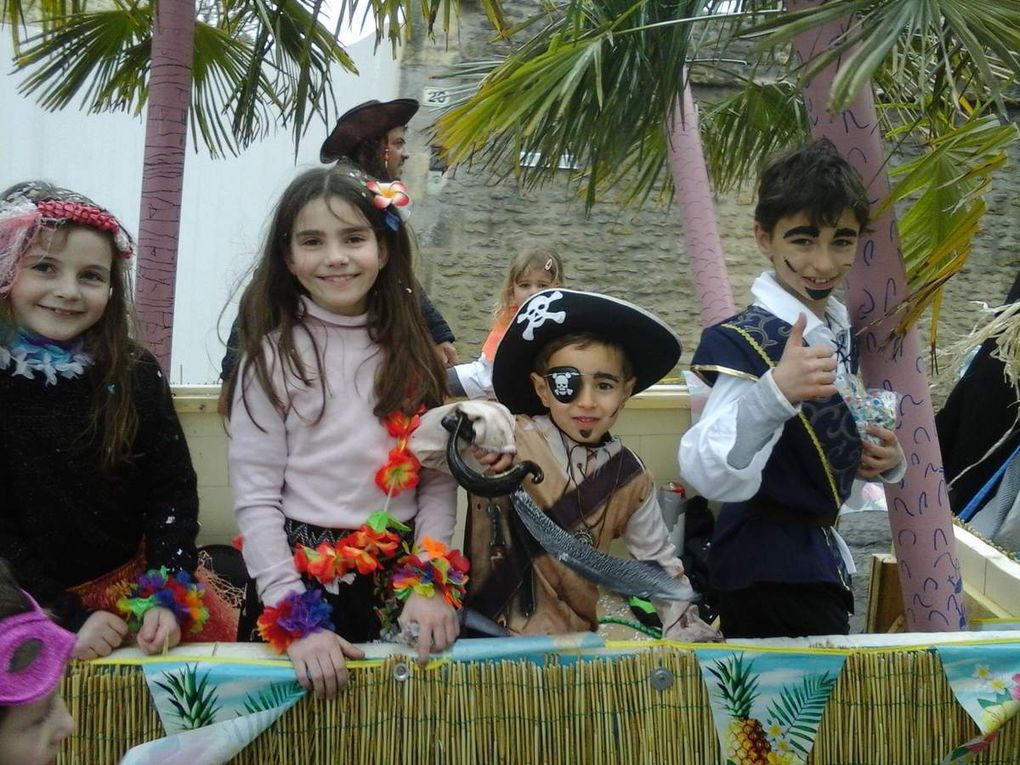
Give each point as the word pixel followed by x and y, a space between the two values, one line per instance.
pixel 469 227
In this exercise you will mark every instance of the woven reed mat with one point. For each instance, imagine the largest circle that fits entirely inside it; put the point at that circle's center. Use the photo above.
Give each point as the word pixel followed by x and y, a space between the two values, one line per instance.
pixel 890 707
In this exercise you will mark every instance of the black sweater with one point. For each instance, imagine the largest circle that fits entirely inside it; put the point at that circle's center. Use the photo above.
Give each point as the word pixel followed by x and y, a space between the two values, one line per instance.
pixel 63 522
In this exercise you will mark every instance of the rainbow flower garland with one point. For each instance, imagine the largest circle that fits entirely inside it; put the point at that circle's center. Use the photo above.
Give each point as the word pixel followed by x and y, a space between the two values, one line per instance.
pixel 298 615
pixel 432 569
pixel 180 593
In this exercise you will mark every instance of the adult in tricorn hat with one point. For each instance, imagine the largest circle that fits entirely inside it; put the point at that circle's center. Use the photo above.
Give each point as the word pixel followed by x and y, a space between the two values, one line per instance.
pixel 373 136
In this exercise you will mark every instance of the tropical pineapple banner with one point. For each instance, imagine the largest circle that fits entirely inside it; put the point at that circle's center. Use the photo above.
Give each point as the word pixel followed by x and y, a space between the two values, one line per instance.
pixel 767 705
pixel 987 686
pixel 213 710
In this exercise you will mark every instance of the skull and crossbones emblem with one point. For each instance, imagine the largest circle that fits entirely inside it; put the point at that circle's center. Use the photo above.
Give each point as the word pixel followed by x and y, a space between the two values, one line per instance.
pixel 561 384
pixel 536 312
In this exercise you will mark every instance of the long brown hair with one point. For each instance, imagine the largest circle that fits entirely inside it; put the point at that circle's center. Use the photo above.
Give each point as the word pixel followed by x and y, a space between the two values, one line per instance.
pixel 110 342
pixel 411 373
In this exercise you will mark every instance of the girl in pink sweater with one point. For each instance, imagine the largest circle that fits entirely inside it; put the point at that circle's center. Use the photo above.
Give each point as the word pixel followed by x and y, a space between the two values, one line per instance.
pixel 344 532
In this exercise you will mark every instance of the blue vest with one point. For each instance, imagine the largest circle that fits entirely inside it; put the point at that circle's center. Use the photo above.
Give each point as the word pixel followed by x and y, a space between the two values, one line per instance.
pixel 782 533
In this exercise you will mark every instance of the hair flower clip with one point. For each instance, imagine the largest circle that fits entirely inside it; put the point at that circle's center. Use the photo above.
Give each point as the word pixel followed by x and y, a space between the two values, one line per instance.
pixel 393 198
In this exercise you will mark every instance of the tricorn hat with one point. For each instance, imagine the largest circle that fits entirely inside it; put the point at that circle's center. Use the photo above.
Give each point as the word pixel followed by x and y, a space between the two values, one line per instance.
pixel 651 346
pixel 366 120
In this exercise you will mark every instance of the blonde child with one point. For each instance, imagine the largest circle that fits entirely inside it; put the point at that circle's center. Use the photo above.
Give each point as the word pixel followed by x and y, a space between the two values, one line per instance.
pixel 337 365
pixel 33 654
pixel 99 495
pixel 532 270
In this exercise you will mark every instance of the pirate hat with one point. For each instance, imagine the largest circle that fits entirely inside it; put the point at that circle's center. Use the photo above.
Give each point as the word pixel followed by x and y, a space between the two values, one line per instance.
pixel 652 347
pixel 367 120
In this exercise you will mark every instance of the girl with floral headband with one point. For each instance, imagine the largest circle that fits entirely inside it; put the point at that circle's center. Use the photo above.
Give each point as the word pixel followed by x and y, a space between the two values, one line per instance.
pixel 344 535
pixel 98 495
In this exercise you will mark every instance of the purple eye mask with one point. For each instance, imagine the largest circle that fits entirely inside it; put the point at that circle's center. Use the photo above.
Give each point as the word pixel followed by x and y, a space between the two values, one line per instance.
pixel 41 676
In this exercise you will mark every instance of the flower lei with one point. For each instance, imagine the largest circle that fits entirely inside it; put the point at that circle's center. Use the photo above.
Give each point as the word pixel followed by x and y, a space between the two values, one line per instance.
pixel 157 588
pixel 364 550
pixel 298 615
pixel 368 550
pixel 429 569
pixel 402 468
pixel 31 354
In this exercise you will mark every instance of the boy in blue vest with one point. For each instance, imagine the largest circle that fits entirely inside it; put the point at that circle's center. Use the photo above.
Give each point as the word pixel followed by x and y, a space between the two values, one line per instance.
pixel 776 442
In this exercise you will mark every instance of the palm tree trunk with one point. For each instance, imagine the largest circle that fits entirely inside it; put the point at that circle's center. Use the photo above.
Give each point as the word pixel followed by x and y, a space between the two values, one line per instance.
pixel 166 126
pixel 701 236
pixel 919 513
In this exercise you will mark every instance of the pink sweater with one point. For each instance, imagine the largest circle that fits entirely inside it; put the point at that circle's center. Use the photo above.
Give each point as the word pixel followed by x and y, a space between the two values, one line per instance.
pixel 321 473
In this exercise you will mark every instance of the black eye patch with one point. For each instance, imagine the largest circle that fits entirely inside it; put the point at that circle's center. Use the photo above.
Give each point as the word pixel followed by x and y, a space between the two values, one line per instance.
pixel 564 383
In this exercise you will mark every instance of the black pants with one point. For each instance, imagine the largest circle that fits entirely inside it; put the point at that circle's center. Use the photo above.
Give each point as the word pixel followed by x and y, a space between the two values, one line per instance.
pixel 354 615
pixel 778 609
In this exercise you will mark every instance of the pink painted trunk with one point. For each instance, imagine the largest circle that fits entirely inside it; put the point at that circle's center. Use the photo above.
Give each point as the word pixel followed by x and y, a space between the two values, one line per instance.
pixel 701 236
pixel 919 514
pixel 166 135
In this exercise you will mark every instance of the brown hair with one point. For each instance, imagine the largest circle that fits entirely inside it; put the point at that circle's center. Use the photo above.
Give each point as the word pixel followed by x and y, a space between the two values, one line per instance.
pixel 271 303
pixel 110 342
pixel 814 179
pixel 536 257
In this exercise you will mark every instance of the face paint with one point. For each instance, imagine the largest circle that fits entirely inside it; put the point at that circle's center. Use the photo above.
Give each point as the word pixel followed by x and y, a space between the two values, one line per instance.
pixel 584 388
pixel 564 383
pixel 813 294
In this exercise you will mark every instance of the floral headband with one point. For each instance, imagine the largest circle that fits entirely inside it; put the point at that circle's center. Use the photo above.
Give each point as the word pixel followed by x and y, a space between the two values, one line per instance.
pixel 40 677
pixel 28 207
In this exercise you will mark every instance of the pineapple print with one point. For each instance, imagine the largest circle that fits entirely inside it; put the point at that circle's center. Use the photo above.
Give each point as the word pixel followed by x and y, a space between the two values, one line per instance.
pixel 746 742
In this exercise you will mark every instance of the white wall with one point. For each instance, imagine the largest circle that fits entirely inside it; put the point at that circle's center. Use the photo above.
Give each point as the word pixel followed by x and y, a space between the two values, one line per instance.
pixel 226 202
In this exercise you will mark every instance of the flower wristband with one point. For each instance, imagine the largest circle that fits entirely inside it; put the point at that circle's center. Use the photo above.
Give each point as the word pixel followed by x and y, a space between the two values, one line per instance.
pixel 179 593
pixel 429 570
pixel 298 615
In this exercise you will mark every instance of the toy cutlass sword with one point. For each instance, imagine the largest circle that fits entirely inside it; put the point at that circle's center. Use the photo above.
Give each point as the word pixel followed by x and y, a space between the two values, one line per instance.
pixel 645 579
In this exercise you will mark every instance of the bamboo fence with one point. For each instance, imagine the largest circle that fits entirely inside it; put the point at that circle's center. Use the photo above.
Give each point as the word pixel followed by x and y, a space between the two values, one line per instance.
pixel 889 707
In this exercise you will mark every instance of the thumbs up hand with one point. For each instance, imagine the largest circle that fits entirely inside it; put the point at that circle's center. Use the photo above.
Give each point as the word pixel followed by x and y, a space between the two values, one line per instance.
pixel 805 372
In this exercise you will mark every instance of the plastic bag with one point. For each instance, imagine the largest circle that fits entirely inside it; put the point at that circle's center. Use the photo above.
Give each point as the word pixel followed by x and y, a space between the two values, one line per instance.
pixel 869 406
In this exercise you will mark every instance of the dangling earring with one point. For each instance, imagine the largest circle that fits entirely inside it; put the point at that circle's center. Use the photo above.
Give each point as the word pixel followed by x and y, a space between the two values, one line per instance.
pixel 386 154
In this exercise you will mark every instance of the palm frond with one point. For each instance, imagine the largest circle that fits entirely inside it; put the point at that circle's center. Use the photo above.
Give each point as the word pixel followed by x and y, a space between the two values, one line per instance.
pixel 947 184
pixel 961 44
pixel 273 697
pixel 101 56
pixel 741 131
pixel 257 65
pixel 588 84
pixel 799 709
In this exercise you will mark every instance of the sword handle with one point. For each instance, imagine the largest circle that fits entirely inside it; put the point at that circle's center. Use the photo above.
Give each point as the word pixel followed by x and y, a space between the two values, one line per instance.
pixel 496 485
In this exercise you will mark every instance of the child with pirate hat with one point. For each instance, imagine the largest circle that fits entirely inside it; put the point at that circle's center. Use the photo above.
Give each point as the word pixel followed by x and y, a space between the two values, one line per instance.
pixel 565 368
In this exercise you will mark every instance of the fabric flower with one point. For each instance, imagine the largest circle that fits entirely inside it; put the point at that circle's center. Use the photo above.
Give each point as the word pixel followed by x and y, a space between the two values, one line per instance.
pixel 399 473
pixel 393 195
pixel 298 615
pixel 430 569
pixel 320 563
pixel 400 425
pixel 179 593
pixel 1015 690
